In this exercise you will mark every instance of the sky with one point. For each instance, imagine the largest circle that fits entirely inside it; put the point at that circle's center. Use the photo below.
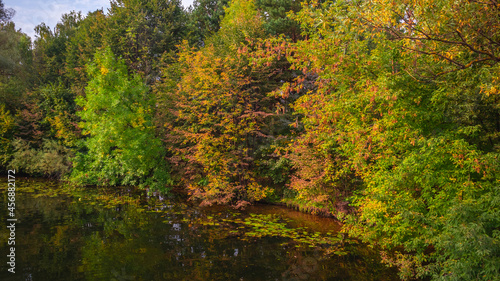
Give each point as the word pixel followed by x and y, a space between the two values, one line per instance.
pixel 30 13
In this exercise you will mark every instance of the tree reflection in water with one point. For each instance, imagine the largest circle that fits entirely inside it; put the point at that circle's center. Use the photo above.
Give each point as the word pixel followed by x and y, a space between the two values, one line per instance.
pixel 120 234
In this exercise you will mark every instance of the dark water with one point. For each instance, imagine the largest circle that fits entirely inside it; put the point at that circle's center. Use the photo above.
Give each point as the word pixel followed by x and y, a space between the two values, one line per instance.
pixel 118 234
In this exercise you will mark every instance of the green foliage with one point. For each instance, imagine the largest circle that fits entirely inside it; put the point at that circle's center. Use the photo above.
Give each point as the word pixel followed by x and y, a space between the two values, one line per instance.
pixel 120 147
pixel 81 47
pixel 50 160
pixel 58 105
pixel 272 163
pixel 15 65
pixel 275 17
pixel 140 31
pixel 47 113
pixel 9 52
pixel 383 112
pixel 470 238
pixel 204 20
pixel 241 22
pixel 442 196
pixel 418 153
pixel 7 125
pixel 50 48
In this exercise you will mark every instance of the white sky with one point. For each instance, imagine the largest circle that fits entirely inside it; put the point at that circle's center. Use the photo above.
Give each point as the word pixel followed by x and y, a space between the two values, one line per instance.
pixel 30 13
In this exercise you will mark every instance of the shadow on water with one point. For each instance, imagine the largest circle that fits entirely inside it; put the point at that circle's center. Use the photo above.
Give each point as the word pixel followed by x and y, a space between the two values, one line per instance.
pixel 64 233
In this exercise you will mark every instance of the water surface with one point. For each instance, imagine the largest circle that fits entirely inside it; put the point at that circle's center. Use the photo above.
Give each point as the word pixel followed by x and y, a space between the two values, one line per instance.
pixel 123 234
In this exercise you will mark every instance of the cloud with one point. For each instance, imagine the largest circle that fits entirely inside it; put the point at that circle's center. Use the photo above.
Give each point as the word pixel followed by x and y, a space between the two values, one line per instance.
pixel 30 13
pixel 187 3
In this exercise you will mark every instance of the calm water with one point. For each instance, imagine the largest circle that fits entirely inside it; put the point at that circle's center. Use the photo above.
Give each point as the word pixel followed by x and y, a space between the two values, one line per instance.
pixel 119 234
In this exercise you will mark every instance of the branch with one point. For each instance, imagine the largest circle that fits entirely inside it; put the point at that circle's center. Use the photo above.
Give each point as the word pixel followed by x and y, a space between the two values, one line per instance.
pixel 436 54
pixel 489 39
pixel 473 49
pixel 429 37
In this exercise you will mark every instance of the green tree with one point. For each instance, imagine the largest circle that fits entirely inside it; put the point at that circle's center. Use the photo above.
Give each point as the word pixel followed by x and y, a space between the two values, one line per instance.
pixel 15 65
pixel 204 19
pixel 80 49
pixel 50 49
pixel 140 31
pixel 275 16
pixel 120 147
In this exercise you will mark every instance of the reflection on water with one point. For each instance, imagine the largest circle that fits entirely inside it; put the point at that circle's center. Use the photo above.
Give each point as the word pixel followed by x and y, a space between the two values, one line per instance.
pixel 121 234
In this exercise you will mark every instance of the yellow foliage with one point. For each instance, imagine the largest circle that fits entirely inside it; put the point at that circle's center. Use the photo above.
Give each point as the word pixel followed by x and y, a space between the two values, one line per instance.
pixel 104 71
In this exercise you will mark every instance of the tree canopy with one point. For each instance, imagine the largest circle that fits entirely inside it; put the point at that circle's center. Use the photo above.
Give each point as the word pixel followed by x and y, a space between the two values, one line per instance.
pixel 384 114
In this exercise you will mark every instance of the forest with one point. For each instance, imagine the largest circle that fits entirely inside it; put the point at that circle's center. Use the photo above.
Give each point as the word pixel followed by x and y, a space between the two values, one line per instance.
pixel 384 114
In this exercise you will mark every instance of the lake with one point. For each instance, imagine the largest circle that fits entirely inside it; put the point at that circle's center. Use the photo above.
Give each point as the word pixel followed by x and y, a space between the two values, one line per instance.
pixel 66 233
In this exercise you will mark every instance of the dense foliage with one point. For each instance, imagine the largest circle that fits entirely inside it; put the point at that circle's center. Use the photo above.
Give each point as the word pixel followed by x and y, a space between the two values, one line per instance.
pixel 383 113
pixel 120 147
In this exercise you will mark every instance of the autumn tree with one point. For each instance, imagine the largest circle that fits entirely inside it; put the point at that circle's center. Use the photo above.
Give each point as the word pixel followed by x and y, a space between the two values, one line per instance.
pixel 15 78
pixel 224 111
pixel 397 118
pixel 447 43
pixel 46 129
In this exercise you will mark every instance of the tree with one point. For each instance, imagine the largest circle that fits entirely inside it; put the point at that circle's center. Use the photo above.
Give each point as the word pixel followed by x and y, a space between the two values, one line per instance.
pixel 447 43
pixel 275 16
pixel 224 111
pixel 140 31
pixel 449 32
pixel 425 185
pixel 15 65
pixel 50 49
pixel 120 147
pixel 7 125
pixel 5 14
pixel 80 49
pixel 204 20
